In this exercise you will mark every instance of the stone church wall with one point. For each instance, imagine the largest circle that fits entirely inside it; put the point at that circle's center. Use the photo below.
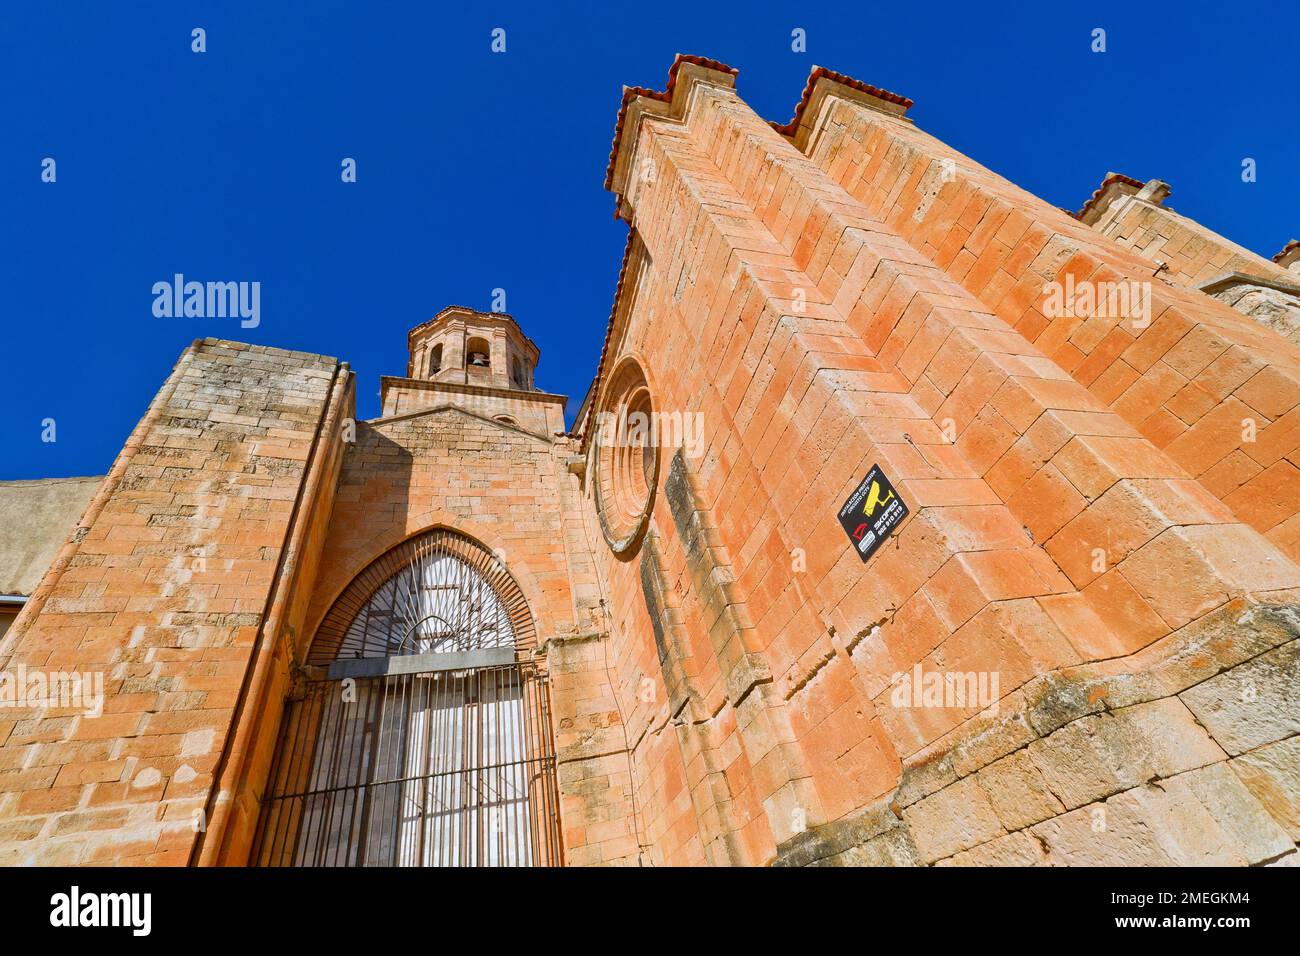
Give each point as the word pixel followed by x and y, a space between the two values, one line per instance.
pixel 1099 546
pixel 1218 393
pixel 811 308
pixel 166 590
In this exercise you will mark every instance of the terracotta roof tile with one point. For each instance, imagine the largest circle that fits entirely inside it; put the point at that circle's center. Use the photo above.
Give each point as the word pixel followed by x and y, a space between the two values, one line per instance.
pixel 1096 195
pixel 664 96
pixel 788 129
pixel 1293 244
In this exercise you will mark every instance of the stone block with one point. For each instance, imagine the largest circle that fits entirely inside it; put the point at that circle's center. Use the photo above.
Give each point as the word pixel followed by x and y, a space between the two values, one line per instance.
pixel 1237 812
pixel 1253 704
pixel 1094 757
pixel 1018 792
pixel 1272 774
pixel 1014 849
pixel 954 819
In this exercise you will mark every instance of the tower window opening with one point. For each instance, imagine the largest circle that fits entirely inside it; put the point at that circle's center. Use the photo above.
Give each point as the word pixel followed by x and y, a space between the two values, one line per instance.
pixel 478 355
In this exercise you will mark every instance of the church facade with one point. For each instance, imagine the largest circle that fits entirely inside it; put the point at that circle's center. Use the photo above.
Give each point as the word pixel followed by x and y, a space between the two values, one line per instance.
pixel 908 520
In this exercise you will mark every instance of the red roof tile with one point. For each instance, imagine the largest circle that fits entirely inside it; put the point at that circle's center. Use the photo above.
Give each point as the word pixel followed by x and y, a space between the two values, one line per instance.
pixel 1096 195
pixel 1293 244
pixel 664 96
pixel 817 73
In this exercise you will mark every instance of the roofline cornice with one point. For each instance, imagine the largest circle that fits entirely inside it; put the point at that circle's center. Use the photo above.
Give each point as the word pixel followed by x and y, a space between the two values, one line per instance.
pixel 461 388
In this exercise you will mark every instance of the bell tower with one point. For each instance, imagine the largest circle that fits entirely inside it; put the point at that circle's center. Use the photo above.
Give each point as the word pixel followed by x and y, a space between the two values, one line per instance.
pixel 478 361
pixel 472 348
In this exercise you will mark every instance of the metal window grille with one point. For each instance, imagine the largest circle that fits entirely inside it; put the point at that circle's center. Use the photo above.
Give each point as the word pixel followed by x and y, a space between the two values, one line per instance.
pixel 424 738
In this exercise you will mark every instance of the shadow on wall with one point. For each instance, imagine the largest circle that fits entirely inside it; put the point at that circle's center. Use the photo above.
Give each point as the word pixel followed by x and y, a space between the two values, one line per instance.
pixel 376 470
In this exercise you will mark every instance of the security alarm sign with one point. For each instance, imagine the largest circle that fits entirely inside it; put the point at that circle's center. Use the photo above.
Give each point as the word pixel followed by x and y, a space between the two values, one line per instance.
pixel 872 512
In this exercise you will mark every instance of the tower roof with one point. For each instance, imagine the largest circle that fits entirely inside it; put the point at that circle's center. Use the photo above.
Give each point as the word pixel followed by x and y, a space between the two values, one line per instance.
pixel 478 313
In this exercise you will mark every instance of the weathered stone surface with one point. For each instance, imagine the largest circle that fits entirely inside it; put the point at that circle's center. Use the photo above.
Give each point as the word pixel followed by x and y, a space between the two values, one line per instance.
pixel 1008 733
pixel 1274 308
pixel 892 848
pixel 1200 818
pixel 874 837
pixel 1060 699
pixel 1018 791
pixel 1253 704
pixel 1272 774
pixel 1257 835
pixel 956 818
pixel 1220 640
pixel 1113 833
pixel 1181 825
pixel 923 778
pixel 1014 849
pixel 1097 756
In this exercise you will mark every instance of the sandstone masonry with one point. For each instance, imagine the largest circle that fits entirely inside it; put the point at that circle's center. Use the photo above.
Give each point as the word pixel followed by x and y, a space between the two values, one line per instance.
pixel 1103 515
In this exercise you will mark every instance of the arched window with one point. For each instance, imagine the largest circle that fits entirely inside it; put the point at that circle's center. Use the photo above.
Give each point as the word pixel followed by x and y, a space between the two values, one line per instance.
pixel 478 354
pixel 439 592
pixel 435 359
pixel 423 735
pixel 517 373
pixel 507 420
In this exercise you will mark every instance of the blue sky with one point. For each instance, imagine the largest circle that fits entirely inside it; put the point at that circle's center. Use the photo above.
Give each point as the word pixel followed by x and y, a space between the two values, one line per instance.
pixel 479 171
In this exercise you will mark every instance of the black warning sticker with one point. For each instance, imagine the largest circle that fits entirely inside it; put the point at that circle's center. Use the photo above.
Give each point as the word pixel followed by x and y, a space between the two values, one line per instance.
pixel 872 512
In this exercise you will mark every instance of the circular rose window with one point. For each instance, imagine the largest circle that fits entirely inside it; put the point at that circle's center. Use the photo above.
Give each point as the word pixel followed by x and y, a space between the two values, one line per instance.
pixel 627 457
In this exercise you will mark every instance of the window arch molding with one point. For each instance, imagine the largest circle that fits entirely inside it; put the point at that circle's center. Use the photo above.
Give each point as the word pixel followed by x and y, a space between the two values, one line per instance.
pixel 437 590
pixel 433 751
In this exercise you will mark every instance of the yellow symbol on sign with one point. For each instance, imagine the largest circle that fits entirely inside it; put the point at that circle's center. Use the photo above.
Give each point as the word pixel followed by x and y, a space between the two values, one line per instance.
pixel 874 500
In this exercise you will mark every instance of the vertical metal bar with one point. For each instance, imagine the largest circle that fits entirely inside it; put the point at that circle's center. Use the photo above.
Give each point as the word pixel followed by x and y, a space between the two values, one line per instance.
pixel 341 742
pixel 303 712
pixel 328 770
pixel 355 743
pixel 367 789
pixel 536 806
pixel 455 768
